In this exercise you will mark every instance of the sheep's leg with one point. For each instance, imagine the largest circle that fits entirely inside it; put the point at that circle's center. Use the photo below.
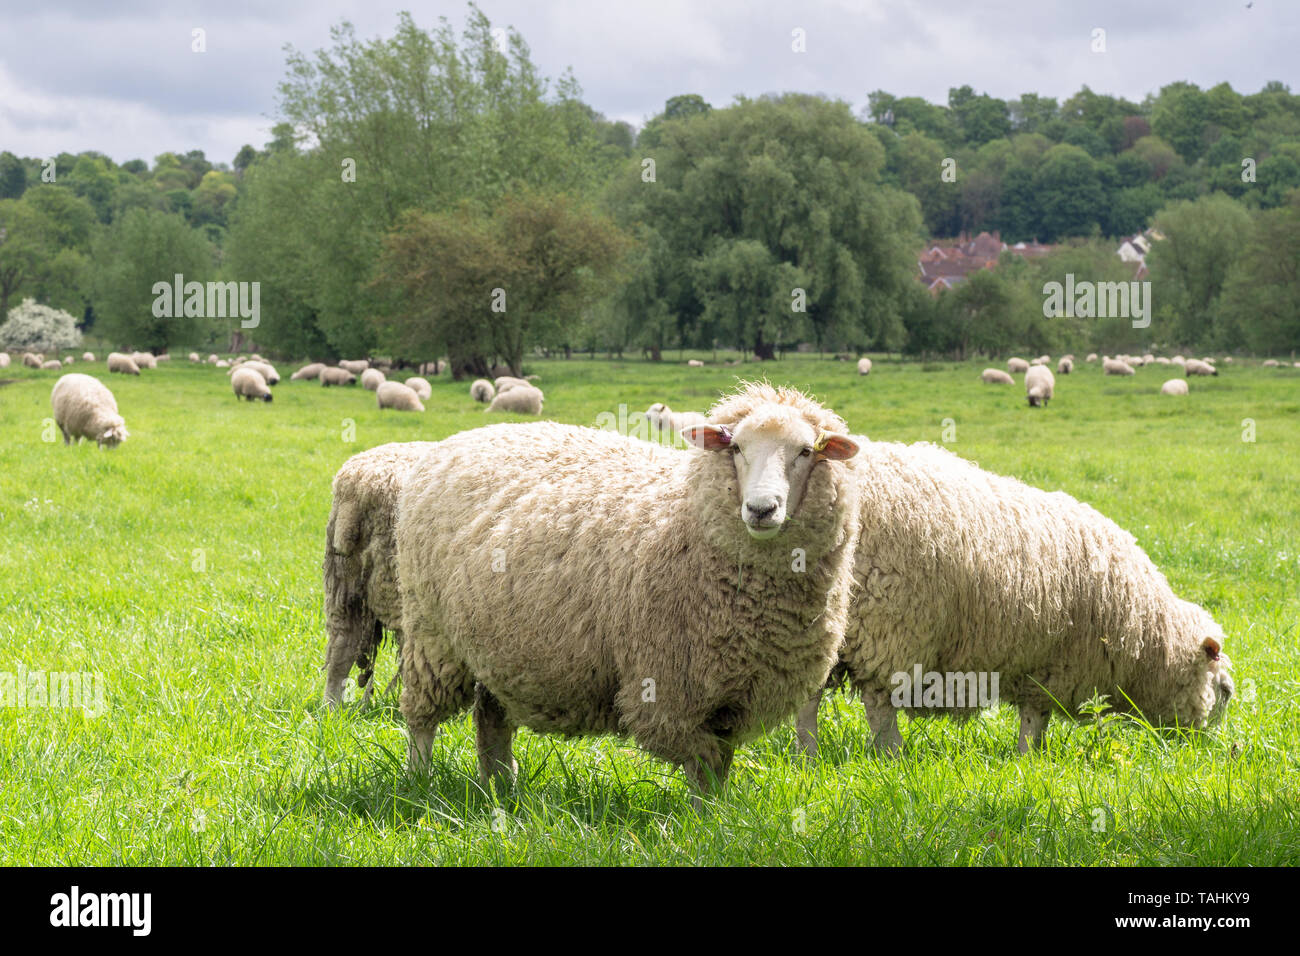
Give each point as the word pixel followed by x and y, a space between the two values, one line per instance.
pixel 493 733
pixel 707 772
pixel 805 725
pixel 1033 726
pixel 882 718
pixel 67 439
pixel 433 689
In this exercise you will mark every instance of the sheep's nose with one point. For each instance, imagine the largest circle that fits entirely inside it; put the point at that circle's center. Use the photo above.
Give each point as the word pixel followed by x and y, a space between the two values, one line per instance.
pixel 761 511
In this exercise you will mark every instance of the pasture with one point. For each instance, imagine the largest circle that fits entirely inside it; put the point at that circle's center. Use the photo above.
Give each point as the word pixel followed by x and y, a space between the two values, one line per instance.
pixel 184 567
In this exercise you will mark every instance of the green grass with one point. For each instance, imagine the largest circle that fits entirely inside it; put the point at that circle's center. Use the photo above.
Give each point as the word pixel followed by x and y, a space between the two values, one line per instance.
pixel 185 568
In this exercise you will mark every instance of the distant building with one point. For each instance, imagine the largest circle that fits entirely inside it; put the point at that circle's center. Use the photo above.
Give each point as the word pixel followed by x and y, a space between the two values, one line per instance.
pixel 944 263
pixel 1135 249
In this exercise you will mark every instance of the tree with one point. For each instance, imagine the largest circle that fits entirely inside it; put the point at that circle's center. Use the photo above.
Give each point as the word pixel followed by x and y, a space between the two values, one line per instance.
pixel 38 328
pixel 1260 301
pixel 13 176
pixel 43 234
pixel 1071 190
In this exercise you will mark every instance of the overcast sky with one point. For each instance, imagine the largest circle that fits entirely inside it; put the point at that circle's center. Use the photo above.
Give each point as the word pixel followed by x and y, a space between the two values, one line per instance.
pixel 119 76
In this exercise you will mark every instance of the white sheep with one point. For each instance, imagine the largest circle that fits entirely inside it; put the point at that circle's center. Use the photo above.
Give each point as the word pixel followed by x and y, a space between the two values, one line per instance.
pixel 144 360
pixel 1175 386
pixel 397 396
pixel 582 582
pixel 995 376
pixel 965 573
pixel 864 366
pixel 336 376
pixel 670 422
pixel 1040 385
pixel 308 373
pixel 361 593
pixel 694 363
pixel 504 383
pixel 521 399
pixel 482 390
pixel 194 357
pixel 1117 367
pixel 213 359
pixel 248 383
pixel 372 378
pixel 1065 366
pixel 32 360
pixel 1197 367
pixel 4 360
pixel 264 369
pixel 421 387
pixel 1178 360
pixel 52 364
pixel 120 362
pixel 1091 357
pixel 1017 365
pixel 85 408
pixel 1268 363
pixel 222 363
pixel 355 366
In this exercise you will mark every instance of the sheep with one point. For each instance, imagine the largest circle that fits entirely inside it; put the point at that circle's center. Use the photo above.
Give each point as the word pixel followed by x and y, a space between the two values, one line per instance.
pixel 165 357
pixel 360 571
pixel 118 362
pixel 69 360
pixel 578 581
pixel 265 369
pixel 308 372
pixel 1116 367
pixel 671 422
pixel 421 387
pixel 995 376
pixel 398 396
pixel 522 400
pixel 1037 361
pixel 1197 367
pixel 1091 357
pixel 1178 360
pixel 1175 386
pixel 1148 359
pixel 1227 359
pixel 85 408
pixel 1163 360
pixel 1065 366
pixel 355 366
pixel 248 383
pixel 213 359
pixel 194 356
pixel 503 383
pixel 1268 363
pixel 482 390
pixel 1017 365
pixel 53 364
pixel 694 363
pixel 4 360
pixel 1044 359
pixel 372 378
pixel 1039 385
pixel 864 366
pixel 963 572
pixel 336 376
pixel 144 360
pixel 222 363
pixel 31 360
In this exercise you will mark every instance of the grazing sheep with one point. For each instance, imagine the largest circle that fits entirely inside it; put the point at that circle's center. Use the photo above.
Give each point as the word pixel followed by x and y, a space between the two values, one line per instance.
pixel 194 357
pixel 355 366
pixel 213 359
pixel 119 362
pixel 52 364
pixel 695 363
pixel 222 363
pixel 308 372
pixel 85 408
pixel 4 359
pixel 1039 385
pixel 372 378
pixel 1065 366
pixel 1092 357
pixel 336 376
pixel 398 396
pixel 1017 365
pixel 32 360
pixel 1268 363
pixel 522 400
pixel 1116 367
pixel 995 376
pixel 482 390
pixel 1197 367
pixel 265 369
pixel 421 387
pixel 69 360
pixel 1178 360
pixel 667 420
pixel 1175 386
pixel 504 383
pixel 361 594
pixel 165 357
pixel 88 356
pixel 965 573
pixel 864 366
pixel 144 360
pixel 1163 360
pixel 1148 359
pixel 660 601
pixel 249 384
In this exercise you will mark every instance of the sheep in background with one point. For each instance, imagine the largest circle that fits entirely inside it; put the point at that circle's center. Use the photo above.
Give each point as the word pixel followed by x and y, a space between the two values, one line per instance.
pixel 32 360
pixel 1197 367
pixel 420 386
pixel 222 363
pixel 355 366
pixel 995 376
pixel 482 390
pixel 1116 367
pixel 194 357
pixel 144 360
pixel 248 383
pixel 336 376
pixel 503 383
pixel 670 422
pixel 864 366
pixel 372 378
pixel 118 362
pixel 308 373
pixel 397 396
pixel 4 360
pixel 1040 385
pixel 1065 366
pixel 1175 386
pixel 52 364
pixel 694 363
pixel 1092 357
pixel 522 400
pixel 85 408
pixel 637 620
pixel 1017 365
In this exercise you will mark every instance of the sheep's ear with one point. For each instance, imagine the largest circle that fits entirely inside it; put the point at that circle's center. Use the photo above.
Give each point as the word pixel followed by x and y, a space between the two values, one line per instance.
pixel 835 447
pixel 708 437
pixel 1212 648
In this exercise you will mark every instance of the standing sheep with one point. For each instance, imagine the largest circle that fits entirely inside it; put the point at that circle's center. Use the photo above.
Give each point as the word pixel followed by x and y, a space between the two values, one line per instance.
pixel 397 396
pixel 372 378
pixel 88 356
pixel 995 376
pixel 1065 366
pixel 504 383
pixel 118 362
pixel 308 373
pixel 52 364
pixel 864 366
pixel 521 399
pixel 336 376
pixel 361 594
pixel 248 383
pixel 355 366
pixel 580 582
pixel 85 408
pixel 421 387
pixel 264 369
pixel 4 359
pixel 1091 357
pixel 671 422
pixel 1017 365
pixel 144 360
pixel 963 572
pixel 31 360
pixel 1175 386
pixel 194 357
pixel 482 390
pixel 1116 367
pixel 1197 367
pixel 1040 385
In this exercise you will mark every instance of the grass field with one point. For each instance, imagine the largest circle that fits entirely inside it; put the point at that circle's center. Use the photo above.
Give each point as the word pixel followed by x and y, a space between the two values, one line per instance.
pixel 184 567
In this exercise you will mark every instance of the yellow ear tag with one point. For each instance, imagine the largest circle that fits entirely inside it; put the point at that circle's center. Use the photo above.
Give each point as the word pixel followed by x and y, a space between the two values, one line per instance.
pixel 822 438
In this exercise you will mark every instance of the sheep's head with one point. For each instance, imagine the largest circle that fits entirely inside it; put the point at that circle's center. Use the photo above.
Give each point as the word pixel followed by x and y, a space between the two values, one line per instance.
pixel 654 414
pixel 775 445
pixel 266 397
pixel 114 434
pixel 1036 395
pixel 1220 687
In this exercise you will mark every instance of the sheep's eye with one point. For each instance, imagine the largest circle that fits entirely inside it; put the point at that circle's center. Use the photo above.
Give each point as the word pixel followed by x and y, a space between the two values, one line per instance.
pixel 735 449
pixel 806 452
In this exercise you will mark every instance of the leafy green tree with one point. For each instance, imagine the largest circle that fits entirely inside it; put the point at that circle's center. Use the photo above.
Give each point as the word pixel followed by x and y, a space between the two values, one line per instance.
pixel 13 176
pixel 1071 192
pixel 1260 302
pixel 45 233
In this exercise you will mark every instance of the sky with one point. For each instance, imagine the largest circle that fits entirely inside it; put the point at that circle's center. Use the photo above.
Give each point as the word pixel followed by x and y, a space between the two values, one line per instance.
pixel 120 76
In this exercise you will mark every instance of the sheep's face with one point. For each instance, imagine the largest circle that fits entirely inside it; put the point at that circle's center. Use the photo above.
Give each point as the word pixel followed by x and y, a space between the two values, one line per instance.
pixel 773 453
pixel 1036 396
pixel 654 414
pixel 114 435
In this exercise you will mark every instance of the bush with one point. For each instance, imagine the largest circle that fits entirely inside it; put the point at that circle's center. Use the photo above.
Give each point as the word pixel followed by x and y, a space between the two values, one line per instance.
pixel 39 328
